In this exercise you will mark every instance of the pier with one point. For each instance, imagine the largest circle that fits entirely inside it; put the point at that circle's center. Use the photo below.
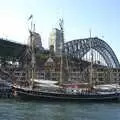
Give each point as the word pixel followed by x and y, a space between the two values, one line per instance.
pixel 6 90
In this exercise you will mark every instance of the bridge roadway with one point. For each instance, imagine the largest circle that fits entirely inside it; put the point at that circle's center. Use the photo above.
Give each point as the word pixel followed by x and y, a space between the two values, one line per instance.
pixel 10 50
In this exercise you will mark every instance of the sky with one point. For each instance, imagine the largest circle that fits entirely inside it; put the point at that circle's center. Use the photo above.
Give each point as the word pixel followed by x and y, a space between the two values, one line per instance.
pixel 101 16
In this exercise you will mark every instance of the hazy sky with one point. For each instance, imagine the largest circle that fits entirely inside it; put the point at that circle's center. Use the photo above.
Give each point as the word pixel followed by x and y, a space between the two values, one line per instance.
pixel 102 16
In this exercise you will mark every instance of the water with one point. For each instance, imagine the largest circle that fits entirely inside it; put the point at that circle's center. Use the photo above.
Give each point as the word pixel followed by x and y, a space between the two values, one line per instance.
pixel 22 110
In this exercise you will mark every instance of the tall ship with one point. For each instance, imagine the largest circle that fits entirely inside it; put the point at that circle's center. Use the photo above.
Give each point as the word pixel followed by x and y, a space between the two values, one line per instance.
pixel 40 89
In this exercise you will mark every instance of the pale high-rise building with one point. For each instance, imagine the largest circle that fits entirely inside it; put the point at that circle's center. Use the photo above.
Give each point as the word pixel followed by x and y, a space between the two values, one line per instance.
pixel 56 41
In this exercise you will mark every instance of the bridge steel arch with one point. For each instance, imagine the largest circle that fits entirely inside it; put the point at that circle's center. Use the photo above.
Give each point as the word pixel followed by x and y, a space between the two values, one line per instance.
pixel 79 47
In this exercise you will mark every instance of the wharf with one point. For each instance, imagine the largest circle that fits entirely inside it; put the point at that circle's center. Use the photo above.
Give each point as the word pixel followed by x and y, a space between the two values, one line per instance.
pixel 5 89
pixel 6 93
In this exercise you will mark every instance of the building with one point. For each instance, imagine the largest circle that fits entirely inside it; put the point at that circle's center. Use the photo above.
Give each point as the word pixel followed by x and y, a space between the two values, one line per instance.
pixel 56 41
pixel 37 40
pixel 106 75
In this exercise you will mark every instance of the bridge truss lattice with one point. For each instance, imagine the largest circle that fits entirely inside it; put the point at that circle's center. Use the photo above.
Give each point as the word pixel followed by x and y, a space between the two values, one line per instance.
pixel 78 48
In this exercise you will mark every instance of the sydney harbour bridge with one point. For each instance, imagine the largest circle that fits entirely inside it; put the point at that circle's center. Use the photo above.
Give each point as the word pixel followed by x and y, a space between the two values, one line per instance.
pixel 78 48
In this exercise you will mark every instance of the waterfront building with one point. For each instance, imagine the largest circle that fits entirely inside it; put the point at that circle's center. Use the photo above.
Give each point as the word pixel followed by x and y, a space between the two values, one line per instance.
pixel 106 75
pixel 56 41
pixel 37 40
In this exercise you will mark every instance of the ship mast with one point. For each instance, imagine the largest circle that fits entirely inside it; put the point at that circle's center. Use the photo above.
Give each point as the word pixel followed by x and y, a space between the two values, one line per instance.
pixel 61 50
pixel 91 65
pixel 31 30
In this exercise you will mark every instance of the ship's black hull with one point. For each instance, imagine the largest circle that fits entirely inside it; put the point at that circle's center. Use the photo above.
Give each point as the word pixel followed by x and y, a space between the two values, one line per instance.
pixel 35 95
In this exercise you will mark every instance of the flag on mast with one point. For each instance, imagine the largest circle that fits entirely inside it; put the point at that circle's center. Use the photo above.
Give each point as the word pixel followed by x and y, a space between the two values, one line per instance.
pixel 31 16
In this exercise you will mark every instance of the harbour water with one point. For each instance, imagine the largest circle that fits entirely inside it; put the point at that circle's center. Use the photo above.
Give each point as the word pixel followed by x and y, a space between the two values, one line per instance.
pixel 24 110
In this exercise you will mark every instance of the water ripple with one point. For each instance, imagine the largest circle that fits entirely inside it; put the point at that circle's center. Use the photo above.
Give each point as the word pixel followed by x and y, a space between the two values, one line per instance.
pixel 21 110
